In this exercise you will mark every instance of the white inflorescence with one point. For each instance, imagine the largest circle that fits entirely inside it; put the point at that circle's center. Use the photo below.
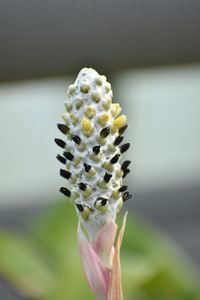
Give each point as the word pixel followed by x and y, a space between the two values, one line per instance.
pixel 92 150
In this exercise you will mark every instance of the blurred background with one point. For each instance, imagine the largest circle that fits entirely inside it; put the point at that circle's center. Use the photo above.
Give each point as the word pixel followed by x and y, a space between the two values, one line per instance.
pixel 150 52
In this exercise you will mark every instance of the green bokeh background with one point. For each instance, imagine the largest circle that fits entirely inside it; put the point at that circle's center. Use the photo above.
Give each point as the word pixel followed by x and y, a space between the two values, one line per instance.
pixel 44 264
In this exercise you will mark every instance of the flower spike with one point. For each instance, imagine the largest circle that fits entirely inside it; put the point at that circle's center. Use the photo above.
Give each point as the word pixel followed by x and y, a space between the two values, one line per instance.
pixel 92 134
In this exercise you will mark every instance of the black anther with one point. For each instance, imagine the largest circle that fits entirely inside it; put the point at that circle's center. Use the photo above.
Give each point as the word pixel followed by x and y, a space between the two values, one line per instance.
pixel 123 188
pixel 87 167
pixel 60 143
pixel 63 128
pixel 65 173
pixel 115 159
pixel 118 140
pixel 68 155
pixel 107 177
pixel 76 139
pixel 65 191
pixel 80 207
pixel 103 200
pixel 61 159
pixel 122 129
pixel 105 132
pixel 96 149
pixel 125 165
pixel 124 147
pixel 126 196
pixel 82 186
pixel 126 172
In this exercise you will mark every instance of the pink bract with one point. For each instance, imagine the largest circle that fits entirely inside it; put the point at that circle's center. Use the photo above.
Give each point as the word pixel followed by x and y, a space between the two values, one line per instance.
pixel 101 261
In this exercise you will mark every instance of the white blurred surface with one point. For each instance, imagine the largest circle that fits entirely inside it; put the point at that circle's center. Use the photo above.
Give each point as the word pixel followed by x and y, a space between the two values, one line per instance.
pixel 29 112
pixel 163 108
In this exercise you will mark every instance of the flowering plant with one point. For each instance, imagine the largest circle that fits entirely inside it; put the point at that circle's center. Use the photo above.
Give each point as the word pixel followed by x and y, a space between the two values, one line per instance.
pixel 91 155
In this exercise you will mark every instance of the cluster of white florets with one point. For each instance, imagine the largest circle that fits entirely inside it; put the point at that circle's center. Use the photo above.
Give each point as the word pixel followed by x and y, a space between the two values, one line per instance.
pixel 92 150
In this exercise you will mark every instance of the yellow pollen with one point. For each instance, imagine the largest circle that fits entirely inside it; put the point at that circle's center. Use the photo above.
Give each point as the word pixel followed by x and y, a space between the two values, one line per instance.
pixel 116 109
pixel 72 88
pixel 111 93
pixel 111 148
pixel 64 117
pixel 91 173
pixel 96 97
pixel 85 87
pixel 90 112
pixel 103 185
pixel 107 86
pixel 99 80
pixel 108 166
pixel 86 213
pixel 79 102
pixel 81 147
pixel 86 125
pixel 103 119
pixel 87 192
pixel 73 179
pixel 68 106
pixel 119 122
pixel 119 174
pixel 95 157
pixel 74 195
pixel 77 161
pixel 107 104
pixel 101 207
pixel 74 119
pixel 115 194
